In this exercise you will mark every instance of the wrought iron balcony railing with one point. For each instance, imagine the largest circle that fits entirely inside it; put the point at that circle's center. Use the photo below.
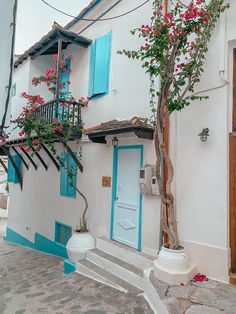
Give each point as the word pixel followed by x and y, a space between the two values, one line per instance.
pixel 65 111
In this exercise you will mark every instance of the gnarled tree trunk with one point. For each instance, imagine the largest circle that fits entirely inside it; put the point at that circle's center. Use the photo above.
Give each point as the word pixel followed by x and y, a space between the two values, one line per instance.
pixel 168 213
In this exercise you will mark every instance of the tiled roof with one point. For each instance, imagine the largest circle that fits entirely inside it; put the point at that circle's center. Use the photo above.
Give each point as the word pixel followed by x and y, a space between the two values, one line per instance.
pixel 116 124
pixel 51 37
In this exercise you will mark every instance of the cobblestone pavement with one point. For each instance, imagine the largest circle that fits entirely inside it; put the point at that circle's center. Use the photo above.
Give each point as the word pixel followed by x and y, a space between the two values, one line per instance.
pixel 33 282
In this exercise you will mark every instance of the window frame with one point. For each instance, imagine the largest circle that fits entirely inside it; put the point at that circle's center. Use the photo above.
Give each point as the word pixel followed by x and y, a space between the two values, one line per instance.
pixel 65 227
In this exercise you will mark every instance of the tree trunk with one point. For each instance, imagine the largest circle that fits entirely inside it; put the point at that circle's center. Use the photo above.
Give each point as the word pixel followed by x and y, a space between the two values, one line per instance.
pixel 168 213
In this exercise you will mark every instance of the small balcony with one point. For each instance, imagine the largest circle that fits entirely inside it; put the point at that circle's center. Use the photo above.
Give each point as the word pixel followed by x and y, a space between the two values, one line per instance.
pixel 66 112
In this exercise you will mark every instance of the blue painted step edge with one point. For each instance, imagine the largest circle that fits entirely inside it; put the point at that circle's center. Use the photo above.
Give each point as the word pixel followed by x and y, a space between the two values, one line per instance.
pixel 41 243
pixel 69 267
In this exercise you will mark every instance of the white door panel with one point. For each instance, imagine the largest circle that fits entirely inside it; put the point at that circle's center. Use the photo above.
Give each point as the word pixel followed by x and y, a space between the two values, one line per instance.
pixel 127 202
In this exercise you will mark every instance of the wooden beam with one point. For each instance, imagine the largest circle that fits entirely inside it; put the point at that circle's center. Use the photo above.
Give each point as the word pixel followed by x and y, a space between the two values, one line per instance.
pixel 30 159
pixel 142 133
pixel 21 158
pixel 51 157
pixel 73 156
pixel 234 92
pixel 59 57
pixel 7 152
pixel 40 158
pixel 3 165
pixel 44 48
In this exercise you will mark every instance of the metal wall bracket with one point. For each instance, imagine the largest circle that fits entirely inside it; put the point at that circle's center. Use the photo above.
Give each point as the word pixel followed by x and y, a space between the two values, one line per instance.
pixel 72 155
pixel 22 159
pixel 51 157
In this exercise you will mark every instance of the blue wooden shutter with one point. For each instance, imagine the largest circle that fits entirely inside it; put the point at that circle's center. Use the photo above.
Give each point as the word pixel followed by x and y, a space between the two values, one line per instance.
pixel 100 53
pixel 12 175
pixel 102 64
pixel 70 189
pixel 10 172
pixel 65 77
pixel 65 188
pixel 91 69
pixel 63 176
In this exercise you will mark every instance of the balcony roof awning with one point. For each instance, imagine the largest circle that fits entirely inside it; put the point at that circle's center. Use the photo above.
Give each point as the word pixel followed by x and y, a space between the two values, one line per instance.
pixel 98 133
pixel 48 43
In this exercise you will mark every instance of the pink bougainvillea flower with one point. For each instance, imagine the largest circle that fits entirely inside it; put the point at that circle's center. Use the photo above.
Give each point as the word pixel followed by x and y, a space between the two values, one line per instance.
pixel 58 128
pixel 199 278
pixel 22 133
pixel 35 142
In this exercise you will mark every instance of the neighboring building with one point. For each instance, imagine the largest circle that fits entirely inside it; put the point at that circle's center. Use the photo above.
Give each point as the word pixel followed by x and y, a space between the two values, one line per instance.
pixel 8 18
pixel 118 211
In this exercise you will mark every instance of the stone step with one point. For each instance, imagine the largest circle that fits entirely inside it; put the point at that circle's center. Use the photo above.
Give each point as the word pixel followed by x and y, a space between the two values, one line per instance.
pixel 128 272
pixel 125 253
pixel 99 274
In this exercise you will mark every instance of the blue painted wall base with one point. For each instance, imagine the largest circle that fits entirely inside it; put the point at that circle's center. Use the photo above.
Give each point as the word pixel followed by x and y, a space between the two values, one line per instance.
pixel 41 243
pixel 69 267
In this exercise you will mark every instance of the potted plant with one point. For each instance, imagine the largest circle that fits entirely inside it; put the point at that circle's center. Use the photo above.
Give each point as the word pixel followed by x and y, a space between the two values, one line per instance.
pixel 174 49
pixel 81 240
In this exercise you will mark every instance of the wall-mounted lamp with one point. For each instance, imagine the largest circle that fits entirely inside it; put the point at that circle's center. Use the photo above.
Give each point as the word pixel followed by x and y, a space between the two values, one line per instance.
pixel 115 141
pixel 204 134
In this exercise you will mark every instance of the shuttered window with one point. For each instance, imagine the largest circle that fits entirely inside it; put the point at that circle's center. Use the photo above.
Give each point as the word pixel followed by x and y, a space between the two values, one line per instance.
pixel 66 189
pixel 62 233
pixel 99 68
pixel 12 175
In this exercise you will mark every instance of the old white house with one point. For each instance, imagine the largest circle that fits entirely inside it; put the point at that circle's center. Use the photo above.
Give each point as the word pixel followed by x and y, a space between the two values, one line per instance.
pixel 42 215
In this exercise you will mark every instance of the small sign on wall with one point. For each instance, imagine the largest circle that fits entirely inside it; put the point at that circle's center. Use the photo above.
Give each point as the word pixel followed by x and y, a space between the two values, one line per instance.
pixel 106 182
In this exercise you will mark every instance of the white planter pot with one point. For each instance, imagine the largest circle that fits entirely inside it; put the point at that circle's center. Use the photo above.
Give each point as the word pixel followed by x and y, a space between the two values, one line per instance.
pixel 78 245
pixel 174 260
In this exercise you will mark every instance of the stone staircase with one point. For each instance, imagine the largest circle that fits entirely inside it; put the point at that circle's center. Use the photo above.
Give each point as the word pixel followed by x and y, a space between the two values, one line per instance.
pixel 116 265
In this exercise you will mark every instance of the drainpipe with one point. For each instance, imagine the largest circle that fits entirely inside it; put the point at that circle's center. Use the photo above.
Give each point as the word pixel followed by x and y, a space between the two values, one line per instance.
pixel 222 47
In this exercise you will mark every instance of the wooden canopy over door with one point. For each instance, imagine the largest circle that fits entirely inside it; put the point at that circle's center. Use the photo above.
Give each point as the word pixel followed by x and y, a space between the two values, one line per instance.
pixel 232 181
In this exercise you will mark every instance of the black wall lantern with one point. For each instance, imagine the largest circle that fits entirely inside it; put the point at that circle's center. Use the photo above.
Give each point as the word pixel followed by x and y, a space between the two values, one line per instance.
pixel 115 141
pixel 204 134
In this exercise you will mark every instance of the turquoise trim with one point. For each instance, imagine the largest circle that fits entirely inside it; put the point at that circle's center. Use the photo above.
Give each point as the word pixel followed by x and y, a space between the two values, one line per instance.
pixel 69 267
pixel 41 243
pixel 140 206
pixel 45 245
pixel 14 237
pixel 114 185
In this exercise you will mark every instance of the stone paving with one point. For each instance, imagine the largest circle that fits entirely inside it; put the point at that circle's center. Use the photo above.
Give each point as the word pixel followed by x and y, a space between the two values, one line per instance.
pixel 33 282
pixel 207 297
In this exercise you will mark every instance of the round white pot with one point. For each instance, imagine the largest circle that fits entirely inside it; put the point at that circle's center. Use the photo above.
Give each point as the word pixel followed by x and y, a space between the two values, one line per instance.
pixel 78 245
pixel 174 260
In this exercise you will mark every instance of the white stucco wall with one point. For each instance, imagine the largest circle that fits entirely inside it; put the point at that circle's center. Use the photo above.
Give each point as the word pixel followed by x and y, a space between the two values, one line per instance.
pixel 124 101
pixel 201 169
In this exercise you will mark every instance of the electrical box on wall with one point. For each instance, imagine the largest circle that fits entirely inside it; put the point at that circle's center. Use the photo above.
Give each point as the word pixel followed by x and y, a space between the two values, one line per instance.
pixel 147 181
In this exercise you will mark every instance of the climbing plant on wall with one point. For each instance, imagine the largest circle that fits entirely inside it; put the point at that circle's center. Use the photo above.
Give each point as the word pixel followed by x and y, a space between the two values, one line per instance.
pixel 175 44
pixel 38 129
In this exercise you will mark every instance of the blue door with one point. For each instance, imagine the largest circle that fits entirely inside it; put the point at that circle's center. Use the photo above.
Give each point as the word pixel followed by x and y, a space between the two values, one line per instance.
pixel 127 200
